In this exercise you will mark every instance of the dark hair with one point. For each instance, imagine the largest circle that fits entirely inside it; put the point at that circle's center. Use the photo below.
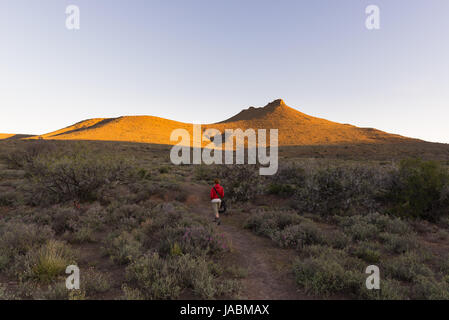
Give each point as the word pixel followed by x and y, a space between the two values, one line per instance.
pixel 217 181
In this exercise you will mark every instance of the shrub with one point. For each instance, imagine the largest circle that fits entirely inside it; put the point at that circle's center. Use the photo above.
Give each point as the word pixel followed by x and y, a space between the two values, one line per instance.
pixel 84 234
pixel 359 228
pixel 338 239
pixel 21 157
pixel 389 290
pixel 370 226
pixel 444 222
pixel 298 236
pixel 206 173
pixel 63 219
pixel 441 235
pixel 341 190
pixel 430 289
pixel 241 182
pixel 48 262
pixel 128 215
pixel 444 264
pixel 328 271
pixel 58 291
pixel 164 169
pixel 202 240
pixel 17 239
pixel 407 267
pixel 269 223
pixel 170 232
pixel 399 243
pixel 418 190
pixel 5 294
pixel 237 272
pixel 76 176
pixel 284 190
pixel 287 180
pixel 94 282
pixel 123 248
pixel 385 223
pixel 368 252
pixel 9 198
pixel 152 277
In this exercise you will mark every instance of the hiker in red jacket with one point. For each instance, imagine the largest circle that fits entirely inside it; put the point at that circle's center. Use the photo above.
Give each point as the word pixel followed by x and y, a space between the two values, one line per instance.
pixel 216 194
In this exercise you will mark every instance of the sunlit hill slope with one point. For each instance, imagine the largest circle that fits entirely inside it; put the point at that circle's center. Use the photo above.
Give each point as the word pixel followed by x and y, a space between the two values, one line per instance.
pixel 295 128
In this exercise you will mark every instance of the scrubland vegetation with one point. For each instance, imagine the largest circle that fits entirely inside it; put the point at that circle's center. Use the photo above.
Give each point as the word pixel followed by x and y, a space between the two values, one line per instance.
pixel 136 227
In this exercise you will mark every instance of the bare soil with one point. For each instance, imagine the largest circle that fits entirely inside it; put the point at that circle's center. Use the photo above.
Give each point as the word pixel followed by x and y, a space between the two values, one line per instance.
pixel 269 267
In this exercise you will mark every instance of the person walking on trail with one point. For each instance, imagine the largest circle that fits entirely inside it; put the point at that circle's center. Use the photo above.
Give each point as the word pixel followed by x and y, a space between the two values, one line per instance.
pixel 216 194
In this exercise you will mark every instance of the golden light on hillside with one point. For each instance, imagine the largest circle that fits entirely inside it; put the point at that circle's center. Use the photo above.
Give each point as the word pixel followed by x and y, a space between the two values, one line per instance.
pixel 295 128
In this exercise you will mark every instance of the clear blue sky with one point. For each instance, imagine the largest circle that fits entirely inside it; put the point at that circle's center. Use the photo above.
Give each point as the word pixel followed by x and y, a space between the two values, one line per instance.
pixel 204 60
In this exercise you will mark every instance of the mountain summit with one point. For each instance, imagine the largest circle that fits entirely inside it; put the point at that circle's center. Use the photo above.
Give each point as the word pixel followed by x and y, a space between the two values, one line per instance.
pixel 257 113
pixel 294 127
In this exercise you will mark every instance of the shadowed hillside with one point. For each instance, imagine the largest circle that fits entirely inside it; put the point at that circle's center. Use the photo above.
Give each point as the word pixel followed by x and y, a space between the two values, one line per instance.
pixel 12 136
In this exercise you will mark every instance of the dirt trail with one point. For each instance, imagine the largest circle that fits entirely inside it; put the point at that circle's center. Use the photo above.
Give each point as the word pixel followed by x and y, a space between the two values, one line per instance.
pixel 269 267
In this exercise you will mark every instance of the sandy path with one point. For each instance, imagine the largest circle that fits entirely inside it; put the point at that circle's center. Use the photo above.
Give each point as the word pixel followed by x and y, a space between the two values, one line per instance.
pixel 268 266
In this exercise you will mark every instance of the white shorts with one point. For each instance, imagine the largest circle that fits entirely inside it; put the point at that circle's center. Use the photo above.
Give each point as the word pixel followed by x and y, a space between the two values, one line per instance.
pixel 216 203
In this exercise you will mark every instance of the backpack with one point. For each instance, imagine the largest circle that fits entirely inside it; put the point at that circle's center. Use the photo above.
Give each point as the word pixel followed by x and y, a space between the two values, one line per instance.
pixel 222 208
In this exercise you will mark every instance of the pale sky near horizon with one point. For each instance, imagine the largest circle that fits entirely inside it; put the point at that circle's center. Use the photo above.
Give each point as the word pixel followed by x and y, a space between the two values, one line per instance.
pixel 203 61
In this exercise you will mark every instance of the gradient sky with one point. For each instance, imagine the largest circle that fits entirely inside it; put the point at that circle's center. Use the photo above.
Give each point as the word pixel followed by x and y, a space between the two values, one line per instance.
pixel 203 61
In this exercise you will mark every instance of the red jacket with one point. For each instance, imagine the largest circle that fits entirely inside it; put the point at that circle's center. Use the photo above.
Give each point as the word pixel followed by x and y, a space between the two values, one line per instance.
pixel 213 194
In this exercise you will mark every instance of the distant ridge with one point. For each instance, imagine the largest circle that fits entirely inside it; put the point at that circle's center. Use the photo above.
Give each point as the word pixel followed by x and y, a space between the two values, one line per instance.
pixel 13 136
pixel 295 128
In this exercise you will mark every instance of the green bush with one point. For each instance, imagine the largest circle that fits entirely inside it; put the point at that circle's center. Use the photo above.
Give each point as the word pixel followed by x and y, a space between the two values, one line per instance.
pixel 25 155
pixel 287 180
pixel 206 173
pixel 10 198
pixel 241 182
pixel 48 262
pixel 426 288
pixel 338 239
pixel 124 247
pixel 368 251
pixel 284 190
pixel 58 291
pixel 17 239
pixel 152 277
pixel 407 267
pixel 127 215
pixel 389 290
pixel 328 271
pixel 399 243
pixel 341 190
pixel 418 190
pixel 375 226
pixel 360 228
pixel 300 235
pixel 271 222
